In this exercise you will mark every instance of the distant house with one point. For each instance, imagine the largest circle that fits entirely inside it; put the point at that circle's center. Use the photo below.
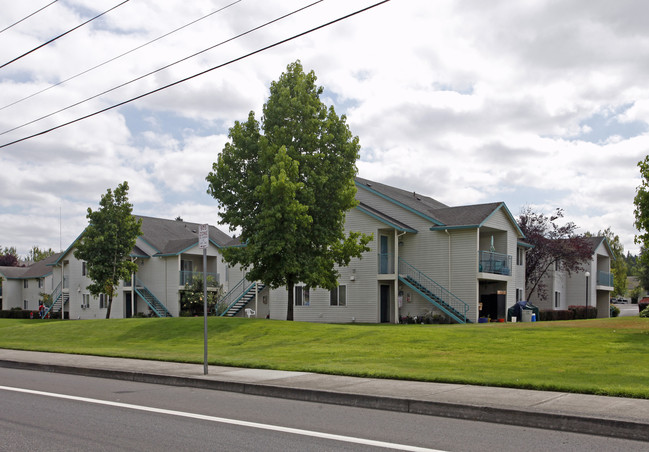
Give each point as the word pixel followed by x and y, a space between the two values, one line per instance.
pixel 591 287
pixel 168 257
pixel 22 287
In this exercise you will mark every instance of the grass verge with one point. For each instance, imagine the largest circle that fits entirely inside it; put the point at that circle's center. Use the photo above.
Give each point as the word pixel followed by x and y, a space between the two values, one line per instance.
pixel 601 356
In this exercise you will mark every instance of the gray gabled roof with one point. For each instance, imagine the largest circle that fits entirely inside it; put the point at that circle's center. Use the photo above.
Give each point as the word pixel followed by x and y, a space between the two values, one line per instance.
pixel 441 215
pixel 383 218
pixel 410 200
pixel 38 269
pixel 596 241
pixel 170 237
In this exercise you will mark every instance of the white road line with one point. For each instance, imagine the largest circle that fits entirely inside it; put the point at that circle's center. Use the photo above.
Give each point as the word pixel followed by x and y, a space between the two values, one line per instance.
pixel 277 428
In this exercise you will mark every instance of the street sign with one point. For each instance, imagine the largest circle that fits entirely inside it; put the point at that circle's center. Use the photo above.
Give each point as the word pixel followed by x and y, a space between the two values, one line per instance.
pixel 203 236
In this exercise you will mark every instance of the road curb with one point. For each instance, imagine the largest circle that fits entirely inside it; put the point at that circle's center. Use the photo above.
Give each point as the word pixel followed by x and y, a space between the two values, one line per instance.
pixel 536 419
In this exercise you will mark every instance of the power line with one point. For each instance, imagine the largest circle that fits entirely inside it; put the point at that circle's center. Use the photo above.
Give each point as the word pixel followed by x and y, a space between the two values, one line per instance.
pixel 63 34
pixel 160 69
pixel 27 17
pixel 119 56
pixel 262 49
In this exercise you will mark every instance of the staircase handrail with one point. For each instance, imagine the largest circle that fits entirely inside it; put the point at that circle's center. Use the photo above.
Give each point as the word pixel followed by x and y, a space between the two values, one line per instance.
pixel 236 293
pixel 160 309
pixel 56 294
pixel 439 291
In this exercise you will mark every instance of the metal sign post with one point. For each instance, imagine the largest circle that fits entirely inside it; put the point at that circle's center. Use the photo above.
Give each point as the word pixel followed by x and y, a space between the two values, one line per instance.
pixel 203 240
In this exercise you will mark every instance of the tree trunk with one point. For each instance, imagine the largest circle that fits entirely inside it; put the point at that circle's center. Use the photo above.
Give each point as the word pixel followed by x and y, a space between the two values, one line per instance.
pixel 110 304
pixel 289 313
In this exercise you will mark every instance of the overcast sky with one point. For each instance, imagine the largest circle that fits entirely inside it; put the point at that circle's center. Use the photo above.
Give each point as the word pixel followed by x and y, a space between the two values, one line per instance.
pixel 539 103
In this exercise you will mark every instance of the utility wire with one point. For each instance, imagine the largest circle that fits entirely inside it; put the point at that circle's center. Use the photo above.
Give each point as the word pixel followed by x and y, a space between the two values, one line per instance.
pixel 161 69
pixel 119 56
pixel 262 49
pixel 27 17
pixel 63 34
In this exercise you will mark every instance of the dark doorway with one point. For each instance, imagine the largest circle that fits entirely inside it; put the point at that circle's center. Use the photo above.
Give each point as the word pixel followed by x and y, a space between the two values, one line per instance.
pixel 128 313
pixel 385 303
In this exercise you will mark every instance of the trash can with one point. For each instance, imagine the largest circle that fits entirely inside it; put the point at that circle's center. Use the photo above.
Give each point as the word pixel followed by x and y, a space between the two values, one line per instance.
pixel 526 315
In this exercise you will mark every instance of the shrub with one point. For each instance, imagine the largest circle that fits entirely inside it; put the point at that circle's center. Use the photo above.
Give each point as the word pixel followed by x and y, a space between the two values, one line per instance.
pixel 642 305
pixel 580 312
pixel 645 312
pixel 615 311
pixel 551 314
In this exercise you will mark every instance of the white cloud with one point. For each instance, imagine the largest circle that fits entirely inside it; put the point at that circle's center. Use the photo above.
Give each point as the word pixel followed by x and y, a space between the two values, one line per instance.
pixel 465 101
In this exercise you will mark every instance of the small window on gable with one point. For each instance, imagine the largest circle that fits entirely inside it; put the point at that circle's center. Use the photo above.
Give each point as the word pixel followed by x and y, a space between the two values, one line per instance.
pixel 84 268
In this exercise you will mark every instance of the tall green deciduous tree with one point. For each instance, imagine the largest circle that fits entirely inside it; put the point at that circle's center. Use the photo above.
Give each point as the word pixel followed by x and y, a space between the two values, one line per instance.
pixel 107 242
pixel 36 254
pixel 287 183
pixel 641 214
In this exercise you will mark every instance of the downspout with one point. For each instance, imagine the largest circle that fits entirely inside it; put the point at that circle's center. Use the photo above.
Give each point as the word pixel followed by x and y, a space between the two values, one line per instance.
pixel 396 281
pixel 450 282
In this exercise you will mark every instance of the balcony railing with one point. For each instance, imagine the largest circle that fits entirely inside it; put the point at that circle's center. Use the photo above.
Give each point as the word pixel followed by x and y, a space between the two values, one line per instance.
pixel 186 277
pixel 604 279
pixel 386 264
pixel 496 263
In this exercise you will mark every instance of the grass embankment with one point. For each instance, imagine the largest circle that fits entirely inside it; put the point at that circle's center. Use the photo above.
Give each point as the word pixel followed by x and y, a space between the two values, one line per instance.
pixel 602 356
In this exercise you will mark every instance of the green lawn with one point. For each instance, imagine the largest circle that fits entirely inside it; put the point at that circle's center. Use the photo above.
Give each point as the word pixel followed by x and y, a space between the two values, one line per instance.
pixel 602 356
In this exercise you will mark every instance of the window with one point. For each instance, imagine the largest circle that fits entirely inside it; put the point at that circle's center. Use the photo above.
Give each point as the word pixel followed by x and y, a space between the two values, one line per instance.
pixel 301 296
pixel 84 269
pixel 338 296
pixel 25 284
pixel 557 299
pixel 519 256
pixel 519 294
pixel 556 265
pixel 40 283
pixel 103 301
pixel 25 305
pixel 85 302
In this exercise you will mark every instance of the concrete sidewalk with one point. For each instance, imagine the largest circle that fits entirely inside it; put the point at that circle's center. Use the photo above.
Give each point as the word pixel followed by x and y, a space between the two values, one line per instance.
pixel 599 415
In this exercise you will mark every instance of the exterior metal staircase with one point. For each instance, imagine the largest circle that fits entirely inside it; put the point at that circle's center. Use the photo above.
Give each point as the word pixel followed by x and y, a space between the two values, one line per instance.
pixel 156 306
pixel 239 296
pixel 59 299
pixel 433 292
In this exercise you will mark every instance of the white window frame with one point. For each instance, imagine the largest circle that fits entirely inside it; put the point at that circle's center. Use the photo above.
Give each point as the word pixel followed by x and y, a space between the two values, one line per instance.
pixel 41 283
pixel 557 299
pixel 85 300
pixel 25 305
pixel 25 283
pixel 84 268
pixel 338 294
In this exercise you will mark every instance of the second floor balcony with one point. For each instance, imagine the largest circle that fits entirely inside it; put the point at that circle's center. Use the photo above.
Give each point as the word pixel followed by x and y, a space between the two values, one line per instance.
pixel 188 277
pixel 605 279
pixel 496 263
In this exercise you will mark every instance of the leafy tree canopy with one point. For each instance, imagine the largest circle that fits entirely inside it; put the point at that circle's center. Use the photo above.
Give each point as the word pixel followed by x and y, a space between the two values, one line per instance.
pixel 287 183
pixel 9 257
pixel 107 241
pixel 553 245
pixel 36 254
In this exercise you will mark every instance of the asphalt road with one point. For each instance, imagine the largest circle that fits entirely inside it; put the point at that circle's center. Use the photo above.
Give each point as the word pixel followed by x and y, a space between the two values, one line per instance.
pixel 110 415
pixel 628 309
